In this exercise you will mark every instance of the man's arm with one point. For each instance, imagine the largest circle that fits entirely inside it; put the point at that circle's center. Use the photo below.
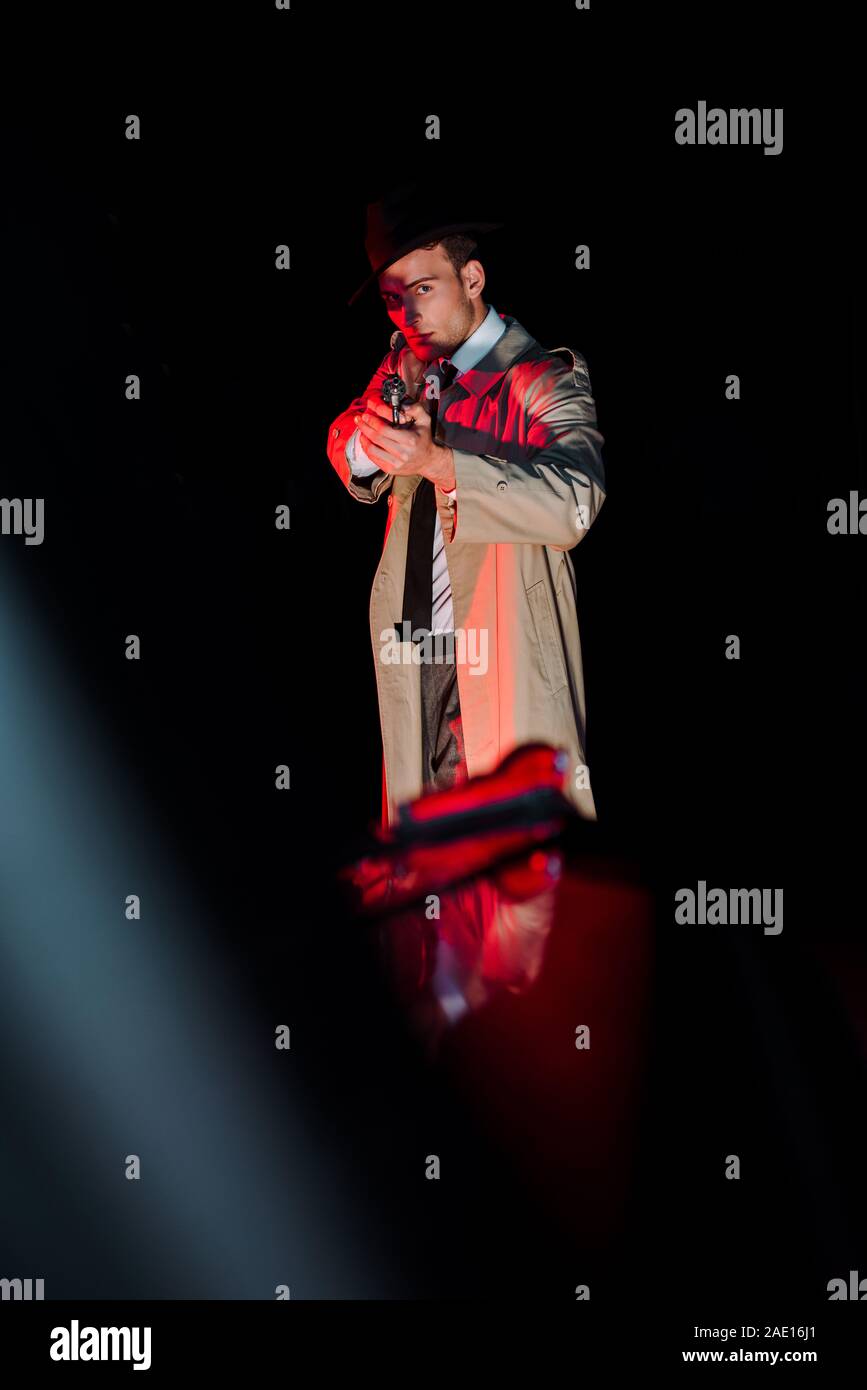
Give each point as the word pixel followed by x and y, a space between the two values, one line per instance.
pixel 362 478
pixel 552 499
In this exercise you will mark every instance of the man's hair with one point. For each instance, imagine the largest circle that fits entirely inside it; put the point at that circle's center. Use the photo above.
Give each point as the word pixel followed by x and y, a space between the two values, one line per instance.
pixel 459 248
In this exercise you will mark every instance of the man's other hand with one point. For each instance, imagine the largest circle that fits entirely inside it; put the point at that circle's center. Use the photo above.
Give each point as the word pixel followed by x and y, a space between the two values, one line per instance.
pixel 405 451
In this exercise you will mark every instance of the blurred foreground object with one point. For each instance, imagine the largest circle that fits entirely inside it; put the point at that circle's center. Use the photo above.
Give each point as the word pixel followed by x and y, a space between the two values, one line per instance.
pixel 447 836
pixel 520 948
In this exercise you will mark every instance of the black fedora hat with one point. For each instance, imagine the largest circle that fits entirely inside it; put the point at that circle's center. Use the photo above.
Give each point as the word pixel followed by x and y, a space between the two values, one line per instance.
pixel 404 219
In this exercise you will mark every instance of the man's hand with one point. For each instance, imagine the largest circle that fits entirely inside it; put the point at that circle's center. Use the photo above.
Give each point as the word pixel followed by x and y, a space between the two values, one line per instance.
pixel 400 451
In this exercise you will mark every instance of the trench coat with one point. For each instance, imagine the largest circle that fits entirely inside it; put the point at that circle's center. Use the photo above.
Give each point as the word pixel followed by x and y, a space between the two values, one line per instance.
pixel 530 483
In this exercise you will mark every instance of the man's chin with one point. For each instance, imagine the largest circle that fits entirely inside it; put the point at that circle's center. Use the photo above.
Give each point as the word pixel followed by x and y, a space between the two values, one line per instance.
pixel 425 348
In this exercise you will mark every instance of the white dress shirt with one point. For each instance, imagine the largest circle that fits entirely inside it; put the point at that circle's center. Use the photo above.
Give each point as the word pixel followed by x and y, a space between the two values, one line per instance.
pixel 471 351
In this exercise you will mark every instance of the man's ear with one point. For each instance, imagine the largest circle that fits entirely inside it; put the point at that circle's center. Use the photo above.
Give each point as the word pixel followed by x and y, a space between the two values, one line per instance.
pixel 397 339
pixel 474 271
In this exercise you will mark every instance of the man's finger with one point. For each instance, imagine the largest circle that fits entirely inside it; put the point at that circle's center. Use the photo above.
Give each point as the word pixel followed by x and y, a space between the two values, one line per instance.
pixel 375 407
pixel 385 438
pixel 386 461
pixel 412 410
pixel 376 426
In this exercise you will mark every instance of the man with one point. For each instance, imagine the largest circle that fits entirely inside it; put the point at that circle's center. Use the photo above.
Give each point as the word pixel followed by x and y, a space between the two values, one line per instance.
pixel 493 475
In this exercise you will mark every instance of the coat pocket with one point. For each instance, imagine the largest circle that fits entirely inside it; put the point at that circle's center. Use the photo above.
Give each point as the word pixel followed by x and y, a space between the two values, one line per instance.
pixel 546 635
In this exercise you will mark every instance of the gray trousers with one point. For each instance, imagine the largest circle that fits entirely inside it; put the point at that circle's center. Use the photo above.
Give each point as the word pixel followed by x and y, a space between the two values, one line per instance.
pixel 442 737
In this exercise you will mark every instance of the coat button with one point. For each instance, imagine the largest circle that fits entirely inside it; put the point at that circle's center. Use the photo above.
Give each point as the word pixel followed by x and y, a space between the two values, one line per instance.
pixel 501 486
pixel 335 432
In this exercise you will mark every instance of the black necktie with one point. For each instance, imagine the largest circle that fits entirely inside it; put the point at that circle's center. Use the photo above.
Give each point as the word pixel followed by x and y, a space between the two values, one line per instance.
pixel 418 580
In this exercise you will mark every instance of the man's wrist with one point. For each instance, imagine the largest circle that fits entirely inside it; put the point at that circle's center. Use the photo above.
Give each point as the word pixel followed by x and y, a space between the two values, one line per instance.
pixel 447 482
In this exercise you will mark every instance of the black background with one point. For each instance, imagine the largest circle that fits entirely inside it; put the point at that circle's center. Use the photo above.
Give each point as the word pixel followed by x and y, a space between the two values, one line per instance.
pixel 157 257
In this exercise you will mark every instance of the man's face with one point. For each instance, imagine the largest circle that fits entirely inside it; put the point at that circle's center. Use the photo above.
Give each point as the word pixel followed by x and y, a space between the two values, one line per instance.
pixel 428 301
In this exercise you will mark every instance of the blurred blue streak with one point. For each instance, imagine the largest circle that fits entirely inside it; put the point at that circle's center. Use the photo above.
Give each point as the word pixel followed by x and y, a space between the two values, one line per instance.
pixel 127 1037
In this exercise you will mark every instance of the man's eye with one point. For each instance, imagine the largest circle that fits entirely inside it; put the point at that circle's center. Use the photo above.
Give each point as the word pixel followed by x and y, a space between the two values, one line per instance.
pixel 392 299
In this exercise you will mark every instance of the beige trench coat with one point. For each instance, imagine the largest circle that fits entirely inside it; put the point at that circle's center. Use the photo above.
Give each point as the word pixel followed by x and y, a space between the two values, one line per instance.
pixel 530 483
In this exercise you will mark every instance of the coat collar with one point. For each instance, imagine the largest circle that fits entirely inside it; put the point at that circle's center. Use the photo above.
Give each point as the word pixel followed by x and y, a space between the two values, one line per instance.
pixel 491 368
